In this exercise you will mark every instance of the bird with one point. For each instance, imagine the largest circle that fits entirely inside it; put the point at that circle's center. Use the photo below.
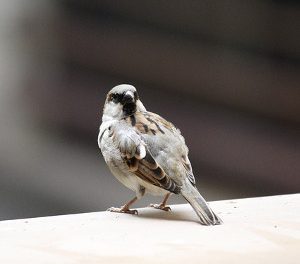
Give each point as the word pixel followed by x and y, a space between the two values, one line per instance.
pixel 147 154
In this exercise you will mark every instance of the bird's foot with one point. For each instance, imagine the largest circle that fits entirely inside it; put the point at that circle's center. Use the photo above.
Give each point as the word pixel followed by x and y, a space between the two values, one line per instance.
pixel 161 207
pixel 122 209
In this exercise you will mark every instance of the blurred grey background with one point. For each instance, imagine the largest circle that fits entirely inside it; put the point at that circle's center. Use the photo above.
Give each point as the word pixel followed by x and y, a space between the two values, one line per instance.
pixel 227 73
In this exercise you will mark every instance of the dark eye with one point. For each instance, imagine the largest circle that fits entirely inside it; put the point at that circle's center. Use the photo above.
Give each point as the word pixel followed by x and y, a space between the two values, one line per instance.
pixel 115 98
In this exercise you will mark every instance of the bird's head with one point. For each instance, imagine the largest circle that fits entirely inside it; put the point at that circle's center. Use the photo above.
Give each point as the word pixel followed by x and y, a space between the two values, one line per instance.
pixel 122 101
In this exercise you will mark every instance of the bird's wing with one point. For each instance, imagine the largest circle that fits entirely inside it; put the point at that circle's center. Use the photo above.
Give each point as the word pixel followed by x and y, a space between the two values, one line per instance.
pixel 188 168
pixel 154 125
pixel 137 156
pixel 150 123
pixel 148 170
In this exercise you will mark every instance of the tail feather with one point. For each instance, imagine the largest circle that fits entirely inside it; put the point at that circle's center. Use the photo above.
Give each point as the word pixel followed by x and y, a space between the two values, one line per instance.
pixel 202 209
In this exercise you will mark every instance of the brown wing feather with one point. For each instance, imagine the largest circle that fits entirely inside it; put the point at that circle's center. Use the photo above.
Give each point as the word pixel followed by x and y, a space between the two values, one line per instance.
pixel 148 170
pixel 149 123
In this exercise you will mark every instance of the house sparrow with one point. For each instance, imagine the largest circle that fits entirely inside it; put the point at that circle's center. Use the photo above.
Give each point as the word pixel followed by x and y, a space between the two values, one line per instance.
pixel 147 154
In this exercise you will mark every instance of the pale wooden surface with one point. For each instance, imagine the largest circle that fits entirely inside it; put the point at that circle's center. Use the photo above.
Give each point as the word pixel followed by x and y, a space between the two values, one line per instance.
pixel 255 230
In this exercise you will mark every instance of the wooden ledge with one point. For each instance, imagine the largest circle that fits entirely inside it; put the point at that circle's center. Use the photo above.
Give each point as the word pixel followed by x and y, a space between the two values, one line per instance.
pixel 255 230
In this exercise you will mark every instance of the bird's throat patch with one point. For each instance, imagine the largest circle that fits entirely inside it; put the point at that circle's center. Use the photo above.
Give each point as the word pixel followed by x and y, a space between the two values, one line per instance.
pixel 129 108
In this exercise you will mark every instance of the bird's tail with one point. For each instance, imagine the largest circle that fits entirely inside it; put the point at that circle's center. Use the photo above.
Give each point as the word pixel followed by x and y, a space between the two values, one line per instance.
pixel 202 209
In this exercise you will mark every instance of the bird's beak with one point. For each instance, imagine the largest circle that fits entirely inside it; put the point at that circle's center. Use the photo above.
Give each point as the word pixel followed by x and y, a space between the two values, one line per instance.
pixel 128 97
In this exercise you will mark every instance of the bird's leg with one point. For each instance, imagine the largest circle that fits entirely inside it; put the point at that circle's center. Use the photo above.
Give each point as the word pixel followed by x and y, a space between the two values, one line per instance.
pixel 162 205
pixel 124 208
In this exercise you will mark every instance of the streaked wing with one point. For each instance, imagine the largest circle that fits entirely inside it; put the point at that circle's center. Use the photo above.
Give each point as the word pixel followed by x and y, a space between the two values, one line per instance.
pixel 149 123
pixel 188 168
pixel 138 157
pixel 153 124
pixel 148 170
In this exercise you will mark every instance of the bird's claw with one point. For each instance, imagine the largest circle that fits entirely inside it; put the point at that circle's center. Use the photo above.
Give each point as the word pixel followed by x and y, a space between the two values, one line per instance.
pixel 122 210
pixel 161 207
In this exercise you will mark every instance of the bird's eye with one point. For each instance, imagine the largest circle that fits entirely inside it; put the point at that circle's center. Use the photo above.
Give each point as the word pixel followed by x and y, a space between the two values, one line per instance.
pixel 115 98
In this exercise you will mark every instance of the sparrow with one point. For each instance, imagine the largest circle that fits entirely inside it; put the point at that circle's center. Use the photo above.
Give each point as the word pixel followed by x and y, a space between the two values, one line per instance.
pixel 147 154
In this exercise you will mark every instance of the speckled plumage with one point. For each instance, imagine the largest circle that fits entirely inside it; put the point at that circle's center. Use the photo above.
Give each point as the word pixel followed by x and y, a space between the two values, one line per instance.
pixel 147 153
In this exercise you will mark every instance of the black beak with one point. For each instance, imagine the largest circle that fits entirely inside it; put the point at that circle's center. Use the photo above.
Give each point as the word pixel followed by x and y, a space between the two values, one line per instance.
pixel 129 103
pixel 128 98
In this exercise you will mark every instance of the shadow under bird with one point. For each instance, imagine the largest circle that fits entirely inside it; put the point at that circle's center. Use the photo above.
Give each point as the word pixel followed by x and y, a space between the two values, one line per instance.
pixel 147 154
